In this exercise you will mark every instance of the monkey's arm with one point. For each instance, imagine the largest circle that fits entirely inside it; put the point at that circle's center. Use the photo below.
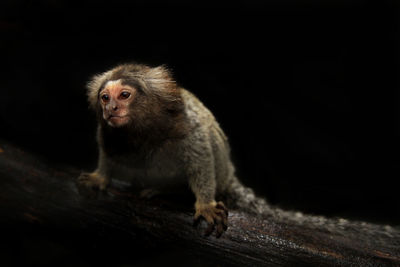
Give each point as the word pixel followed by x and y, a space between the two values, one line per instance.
pixel 201 177
pixel 97 179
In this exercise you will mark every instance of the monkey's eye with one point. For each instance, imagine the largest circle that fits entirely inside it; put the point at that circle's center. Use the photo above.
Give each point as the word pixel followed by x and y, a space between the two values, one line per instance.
pixel 125 95
pixel 105 97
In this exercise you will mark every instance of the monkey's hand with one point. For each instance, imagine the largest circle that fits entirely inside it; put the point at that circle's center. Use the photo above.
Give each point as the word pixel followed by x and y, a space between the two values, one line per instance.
pixel 215 214
pixel 89 183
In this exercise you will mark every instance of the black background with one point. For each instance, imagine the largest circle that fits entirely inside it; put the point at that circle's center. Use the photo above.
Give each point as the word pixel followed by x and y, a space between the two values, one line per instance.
pixel 306 91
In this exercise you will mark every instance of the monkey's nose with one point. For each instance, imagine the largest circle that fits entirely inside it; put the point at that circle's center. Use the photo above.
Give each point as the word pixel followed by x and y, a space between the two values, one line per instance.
pixel 115 107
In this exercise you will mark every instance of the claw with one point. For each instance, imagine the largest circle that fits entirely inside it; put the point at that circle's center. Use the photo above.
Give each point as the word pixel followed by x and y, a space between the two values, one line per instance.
pixel 209 229
pixel 216 216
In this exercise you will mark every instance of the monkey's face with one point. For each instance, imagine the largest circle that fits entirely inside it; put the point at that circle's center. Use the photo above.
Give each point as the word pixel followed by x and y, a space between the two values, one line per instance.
pixel 115 99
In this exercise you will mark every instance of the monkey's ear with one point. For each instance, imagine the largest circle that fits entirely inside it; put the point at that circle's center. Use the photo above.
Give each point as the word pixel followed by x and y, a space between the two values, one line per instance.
pixel 93 87
pixel 159 79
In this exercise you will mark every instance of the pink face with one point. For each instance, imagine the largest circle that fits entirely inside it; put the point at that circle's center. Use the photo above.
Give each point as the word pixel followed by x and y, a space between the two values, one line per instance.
pixel 115 99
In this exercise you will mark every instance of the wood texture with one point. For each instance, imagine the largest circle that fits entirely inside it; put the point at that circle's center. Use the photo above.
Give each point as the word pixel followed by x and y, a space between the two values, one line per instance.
pixel 40 202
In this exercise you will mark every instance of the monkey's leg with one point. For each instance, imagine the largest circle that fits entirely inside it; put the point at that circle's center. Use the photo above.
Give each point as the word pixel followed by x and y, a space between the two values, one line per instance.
pixel 201 177
pixel 89 183
pixel 215 214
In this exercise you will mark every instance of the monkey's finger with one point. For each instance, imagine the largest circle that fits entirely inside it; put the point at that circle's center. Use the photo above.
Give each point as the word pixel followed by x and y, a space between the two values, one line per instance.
pixel 223 210
pixel 82 178
pixel 218 219
pixel 209 229
pixel 225 222
pixel 222 220
pixel 225 225
pixel 83 181
pixel 199 216
pixel 196 220
pixel 220 230
pixel 221 213
pixel 220 205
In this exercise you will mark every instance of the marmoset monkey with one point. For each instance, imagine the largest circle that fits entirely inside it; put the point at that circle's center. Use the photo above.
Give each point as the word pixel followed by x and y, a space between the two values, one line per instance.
pixel 156 135
pixel 159 136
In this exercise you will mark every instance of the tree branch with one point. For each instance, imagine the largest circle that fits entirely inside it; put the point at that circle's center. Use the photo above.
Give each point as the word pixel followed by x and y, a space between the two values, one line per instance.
pixel 36 198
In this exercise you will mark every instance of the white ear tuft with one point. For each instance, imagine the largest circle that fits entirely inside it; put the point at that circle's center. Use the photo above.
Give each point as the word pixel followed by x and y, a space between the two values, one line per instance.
pixel 159 80
pixel 94 85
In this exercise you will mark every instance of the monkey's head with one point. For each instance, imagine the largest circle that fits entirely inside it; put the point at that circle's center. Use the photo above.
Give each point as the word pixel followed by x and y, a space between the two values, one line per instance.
pixel 135 96
pixel 115 99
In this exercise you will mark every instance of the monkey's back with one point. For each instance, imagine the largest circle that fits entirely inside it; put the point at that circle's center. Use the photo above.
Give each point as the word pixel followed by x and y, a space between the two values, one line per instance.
pixel 205 129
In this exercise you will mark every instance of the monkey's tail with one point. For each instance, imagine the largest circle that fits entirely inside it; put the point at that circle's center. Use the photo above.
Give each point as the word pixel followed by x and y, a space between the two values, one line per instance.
pixel 244 199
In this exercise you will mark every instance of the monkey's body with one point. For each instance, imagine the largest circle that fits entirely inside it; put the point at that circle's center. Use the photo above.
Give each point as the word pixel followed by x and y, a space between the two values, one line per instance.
pixel 163 168
pixel 160 170
pixel 158 136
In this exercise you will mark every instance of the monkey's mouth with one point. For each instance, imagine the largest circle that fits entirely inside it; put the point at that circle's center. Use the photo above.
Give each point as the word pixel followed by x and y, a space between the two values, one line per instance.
pixel 118 120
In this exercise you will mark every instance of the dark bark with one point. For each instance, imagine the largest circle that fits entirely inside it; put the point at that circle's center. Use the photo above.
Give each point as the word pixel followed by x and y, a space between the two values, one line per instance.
pixel 43 214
